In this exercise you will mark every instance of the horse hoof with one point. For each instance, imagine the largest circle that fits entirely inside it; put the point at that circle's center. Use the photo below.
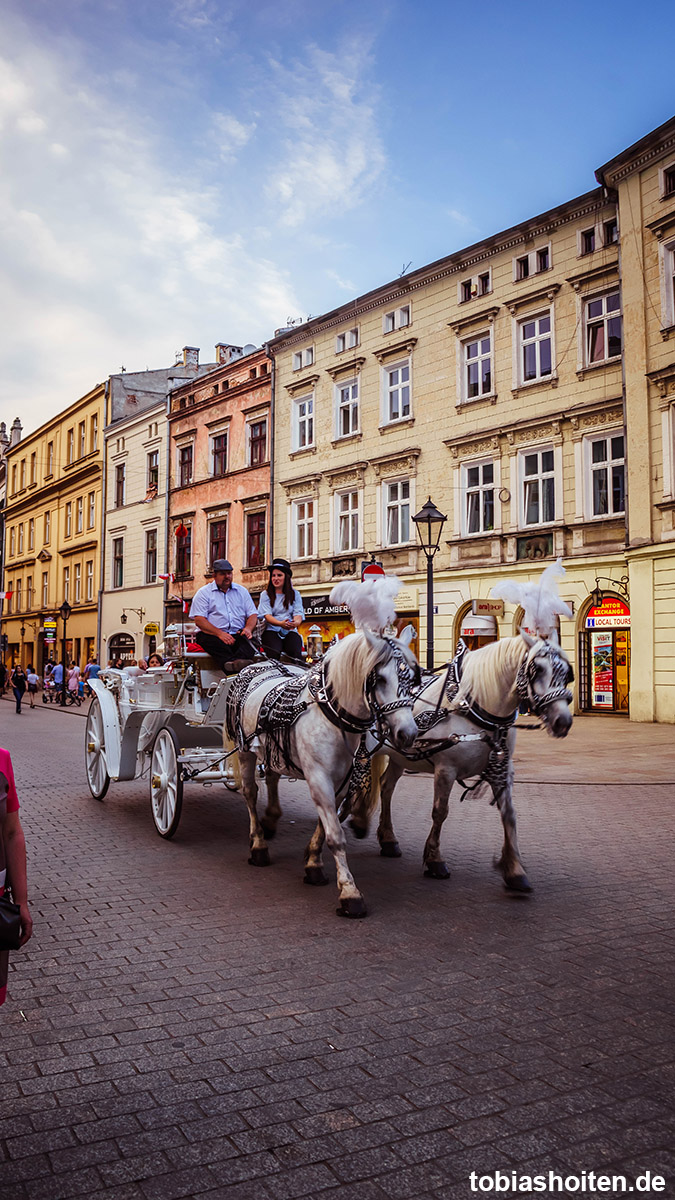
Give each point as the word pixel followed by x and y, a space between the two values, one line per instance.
pixel 437 870
pixel 268 831
pixel 260 858
pixel 359 831
pixel 315 876
pixel 353 908
pixel 517 883
pixel 390 850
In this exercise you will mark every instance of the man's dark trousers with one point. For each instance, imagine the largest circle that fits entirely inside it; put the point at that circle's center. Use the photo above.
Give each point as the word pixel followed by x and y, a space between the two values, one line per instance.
pixel 240 648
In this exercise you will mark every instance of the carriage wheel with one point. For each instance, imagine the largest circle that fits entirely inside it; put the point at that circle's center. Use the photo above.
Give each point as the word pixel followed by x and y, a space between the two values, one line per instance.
pixel 166 785
pixel 94 752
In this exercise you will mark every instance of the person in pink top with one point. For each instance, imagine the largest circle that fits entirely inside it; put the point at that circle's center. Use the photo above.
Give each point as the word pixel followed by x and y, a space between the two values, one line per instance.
pixel 12 859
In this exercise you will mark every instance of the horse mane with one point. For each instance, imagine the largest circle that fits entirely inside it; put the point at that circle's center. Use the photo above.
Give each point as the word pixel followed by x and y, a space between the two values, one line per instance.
pixel 489 673
pixel 350 662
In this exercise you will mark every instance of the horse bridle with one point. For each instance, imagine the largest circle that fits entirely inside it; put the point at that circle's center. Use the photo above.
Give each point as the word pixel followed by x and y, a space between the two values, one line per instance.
pixel 561 675
pixel 407 678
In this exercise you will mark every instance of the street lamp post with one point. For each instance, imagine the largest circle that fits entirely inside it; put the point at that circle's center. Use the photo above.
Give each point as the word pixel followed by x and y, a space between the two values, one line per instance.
pixel 22 634
pixel 64 612
pixel 429 524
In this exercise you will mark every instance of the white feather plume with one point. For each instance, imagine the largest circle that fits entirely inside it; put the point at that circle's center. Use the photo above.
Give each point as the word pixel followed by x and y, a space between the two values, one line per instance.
pixel 371 603
pixel 540 601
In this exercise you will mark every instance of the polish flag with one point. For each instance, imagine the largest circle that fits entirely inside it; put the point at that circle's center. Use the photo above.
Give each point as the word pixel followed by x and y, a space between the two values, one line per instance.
pixel 6 595
pixel 170 578
pixel 185 603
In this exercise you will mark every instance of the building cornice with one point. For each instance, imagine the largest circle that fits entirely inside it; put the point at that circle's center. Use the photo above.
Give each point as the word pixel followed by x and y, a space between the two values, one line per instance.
pixel 655 145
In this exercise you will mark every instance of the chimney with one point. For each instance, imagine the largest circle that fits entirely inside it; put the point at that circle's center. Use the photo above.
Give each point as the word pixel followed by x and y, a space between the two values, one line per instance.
pixel 15 432
pixel 226 354
pixel 4 440
pixel 190 356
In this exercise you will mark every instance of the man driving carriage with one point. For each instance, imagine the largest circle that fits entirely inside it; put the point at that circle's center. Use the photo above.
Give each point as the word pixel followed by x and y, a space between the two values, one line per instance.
pixel 226 617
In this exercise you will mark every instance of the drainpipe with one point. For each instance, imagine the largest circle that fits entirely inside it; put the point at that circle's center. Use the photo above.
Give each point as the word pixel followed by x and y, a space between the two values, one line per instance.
pixel 272 409
pixel 166 503
pixel 104 486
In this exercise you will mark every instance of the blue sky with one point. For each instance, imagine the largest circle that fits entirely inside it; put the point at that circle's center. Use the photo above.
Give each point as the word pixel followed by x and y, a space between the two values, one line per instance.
pixel 194 171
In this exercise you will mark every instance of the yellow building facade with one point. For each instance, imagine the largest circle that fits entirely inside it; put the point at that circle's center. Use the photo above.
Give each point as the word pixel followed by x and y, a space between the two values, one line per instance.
pixel 491 381
pixel 52 535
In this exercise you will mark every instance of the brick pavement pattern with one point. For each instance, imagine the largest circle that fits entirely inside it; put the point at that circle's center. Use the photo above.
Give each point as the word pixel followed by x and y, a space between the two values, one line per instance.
pixel 183 1024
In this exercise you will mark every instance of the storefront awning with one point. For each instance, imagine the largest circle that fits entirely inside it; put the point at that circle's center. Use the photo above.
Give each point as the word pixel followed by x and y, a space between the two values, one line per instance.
pixel 479 625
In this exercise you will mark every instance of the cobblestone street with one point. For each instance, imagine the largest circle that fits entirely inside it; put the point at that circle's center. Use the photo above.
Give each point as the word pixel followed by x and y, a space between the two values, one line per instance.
pixel 183 1024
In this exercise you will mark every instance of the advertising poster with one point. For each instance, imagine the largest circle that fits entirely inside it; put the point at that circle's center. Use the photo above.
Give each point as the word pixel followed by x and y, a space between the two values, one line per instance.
pixel 602 668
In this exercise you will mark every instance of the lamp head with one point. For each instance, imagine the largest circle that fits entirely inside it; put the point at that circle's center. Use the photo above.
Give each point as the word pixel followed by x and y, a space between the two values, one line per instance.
pixel 429 524
pixel 123 619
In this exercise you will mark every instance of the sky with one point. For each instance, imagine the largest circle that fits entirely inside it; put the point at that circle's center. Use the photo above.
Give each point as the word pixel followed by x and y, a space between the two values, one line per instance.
pixel 186 172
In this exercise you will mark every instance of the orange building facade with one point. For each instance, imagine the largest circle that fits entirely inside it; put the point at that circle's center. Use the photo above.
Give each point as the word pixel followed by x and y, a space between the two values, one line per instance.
pixel 219 474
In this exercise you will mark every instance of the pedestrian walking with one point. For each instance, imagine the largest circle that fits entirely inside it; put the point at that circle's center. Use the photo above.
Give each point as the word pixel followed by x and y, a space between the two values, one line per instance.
pixel 33 681
pixel 91 671
pixel 3 678
pixel 281 607
pixel 19 684
pixel 226 617
pixel 12 860
pixel 73 681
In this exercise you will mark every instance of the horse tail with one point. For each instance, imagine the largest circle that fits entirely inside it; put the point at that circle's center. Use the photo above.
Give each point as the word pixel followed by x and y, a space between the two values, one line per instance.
pixel 233 759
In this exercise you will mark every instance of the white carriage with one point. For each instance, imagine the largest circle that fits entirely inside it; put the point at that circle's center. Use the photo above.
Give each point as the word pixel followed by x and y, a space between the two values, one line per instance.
pixel 164 724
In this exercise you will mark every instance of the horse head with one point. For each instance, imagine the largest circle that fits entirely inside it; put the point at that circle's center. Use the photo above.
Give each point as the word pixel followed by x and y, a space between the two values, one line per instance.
pixel 390 686
pixel 542 683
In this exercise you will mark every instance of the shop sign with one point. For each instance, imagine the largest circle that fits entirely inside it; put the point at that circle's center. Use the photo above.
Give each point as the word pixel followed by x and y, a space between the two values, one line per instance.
pixel 602 668
pixel 50 629
pixel 487 608
pixel 320 606
pixel 406 600
pixel 611 614
pixel 152 629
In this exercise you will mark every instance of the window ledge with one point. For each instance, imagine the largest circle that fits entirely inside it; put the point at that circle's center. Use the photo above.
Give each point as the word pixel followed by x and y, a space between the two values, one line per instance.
pixel 606 362
pixel 304 450
pixel 402 424
pixel 549 381
pixel 667 331
pixel 488 398
pixel 346 438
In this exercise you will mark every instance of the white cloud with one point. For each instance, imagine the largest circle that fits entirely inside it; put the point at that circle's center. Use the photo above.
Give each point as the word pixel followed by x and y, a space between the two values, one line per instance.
pixel 345 285
pixel 460 218
pixel 231 135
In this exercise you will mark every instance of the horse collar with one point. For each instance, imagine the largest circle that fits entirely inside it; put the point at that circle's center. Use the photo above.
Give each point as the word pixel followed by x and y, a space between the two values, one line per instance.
pixel 332 709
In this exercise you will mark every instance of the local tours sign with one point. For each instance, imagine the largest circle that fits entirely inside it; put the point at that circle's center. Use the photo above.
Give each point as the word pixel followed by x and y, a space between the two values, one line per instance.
pixel 611 614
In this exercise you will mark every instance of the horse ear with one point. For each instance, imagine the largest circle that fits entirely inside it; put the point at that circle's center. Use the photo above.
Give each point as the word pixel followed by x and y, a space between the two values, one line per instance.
pixel 406 635
pixel 529 641
pixel 554 639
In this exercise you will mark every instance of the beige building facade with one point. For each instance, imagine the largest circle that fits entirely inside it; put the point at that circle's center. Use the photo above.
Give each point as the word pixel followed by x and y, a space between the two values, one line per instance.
pixel 52 534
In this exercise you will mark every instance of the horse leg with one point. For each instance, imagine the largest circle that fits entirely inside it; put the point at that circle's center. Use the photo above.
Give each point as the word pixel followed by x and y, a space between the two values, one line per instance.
pixel 260 855
pixel 389 847
pixel 434 866
pixel 273 811
pixel 510 863
pixel 314 872
pixel 352 903
pixel 365 799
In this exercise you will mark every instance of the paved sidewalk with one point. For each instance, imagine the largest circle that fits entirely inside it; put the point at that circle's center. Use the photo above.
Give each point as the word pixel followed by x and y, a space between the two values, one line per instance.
pixel 185 1025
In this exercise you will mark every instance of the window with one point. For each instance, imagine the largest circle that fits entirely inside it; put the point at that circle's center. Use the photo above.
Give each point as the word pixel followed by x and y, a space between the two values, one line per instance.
pixel 66 583
pixel 33 468
pixel 17 594
pixel 522 267
pixel 83 439
pixel 532 263
pixel 397 392
pixel 45 589
pixel 184 554
pixel 538 482
pixel 185 465
pixel 120 484
pixel 118 562
pixel 257 443
pixel 543 259
pixel 12 541
pixel 397 512
pixel 21 538
pixel 669 181
pixel 347 415
pixel 303 534
pixel 477 367
pixel 91 510
pixel 69 518
pixel 10 598
pixel 151 556
pixel 398 318
pixel 47 528
pixel 79 515
pixel 303 410
pixel 93 433
pixel 303 358
pixel 669 277
pixel 219 454
pixel 50 459
pixel 605 461
pixel 153 469
pixel 535 348
pixel 31 534
pixel 14 479
pixel 255 539
pixel 90 579
pixel 478 497
pixel 23 473
pixel 611 232
pixel 587 241
pixel 347 504
pixel 603 328
pixel 70 445
pixel 217 541
pixel 78 583
pixel 346 340
pixel 29 593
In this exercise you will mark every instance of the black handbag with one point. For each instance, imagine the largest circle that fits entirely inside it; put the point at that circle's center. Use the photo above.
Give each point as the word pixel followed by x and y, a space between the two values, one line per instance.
pixel 10 923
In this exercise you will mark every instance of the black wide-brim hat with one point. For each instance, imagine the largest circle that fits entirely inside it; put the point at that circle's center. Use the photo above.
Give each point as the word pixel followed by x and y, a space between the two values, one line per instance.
pixel 281 564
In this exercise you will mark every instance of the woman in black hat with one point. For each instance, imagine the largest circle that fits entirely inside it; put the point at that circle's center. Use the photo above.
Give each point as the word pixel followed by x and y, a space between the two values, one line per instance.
pixel 281 607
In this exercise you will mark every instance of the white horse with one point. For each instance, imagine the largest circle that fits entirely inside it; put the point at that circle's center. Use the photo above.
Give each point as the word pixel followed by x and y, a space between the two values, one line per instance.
pixel 311 726
pixel 465 722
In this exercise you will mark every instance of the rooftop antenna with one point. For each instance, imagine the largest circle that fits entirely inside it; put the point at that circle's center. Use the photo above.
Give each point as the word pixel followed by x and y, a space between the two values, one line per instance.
pixel 404 271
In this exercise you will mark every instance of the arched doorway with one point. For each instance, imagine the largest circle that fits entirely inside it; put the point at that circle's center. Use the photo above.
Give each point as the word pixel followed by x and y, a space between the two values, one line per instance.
pixel 476 630
pixel 122 648
pixel 604 656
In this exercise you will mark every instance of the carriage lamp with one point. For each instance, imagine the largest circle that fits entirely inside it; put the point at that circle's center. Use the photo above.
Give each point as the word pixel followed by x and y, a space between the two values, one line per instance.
pixel 64 613
pixel 429 524
pixel 140 613
pixel 620 585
